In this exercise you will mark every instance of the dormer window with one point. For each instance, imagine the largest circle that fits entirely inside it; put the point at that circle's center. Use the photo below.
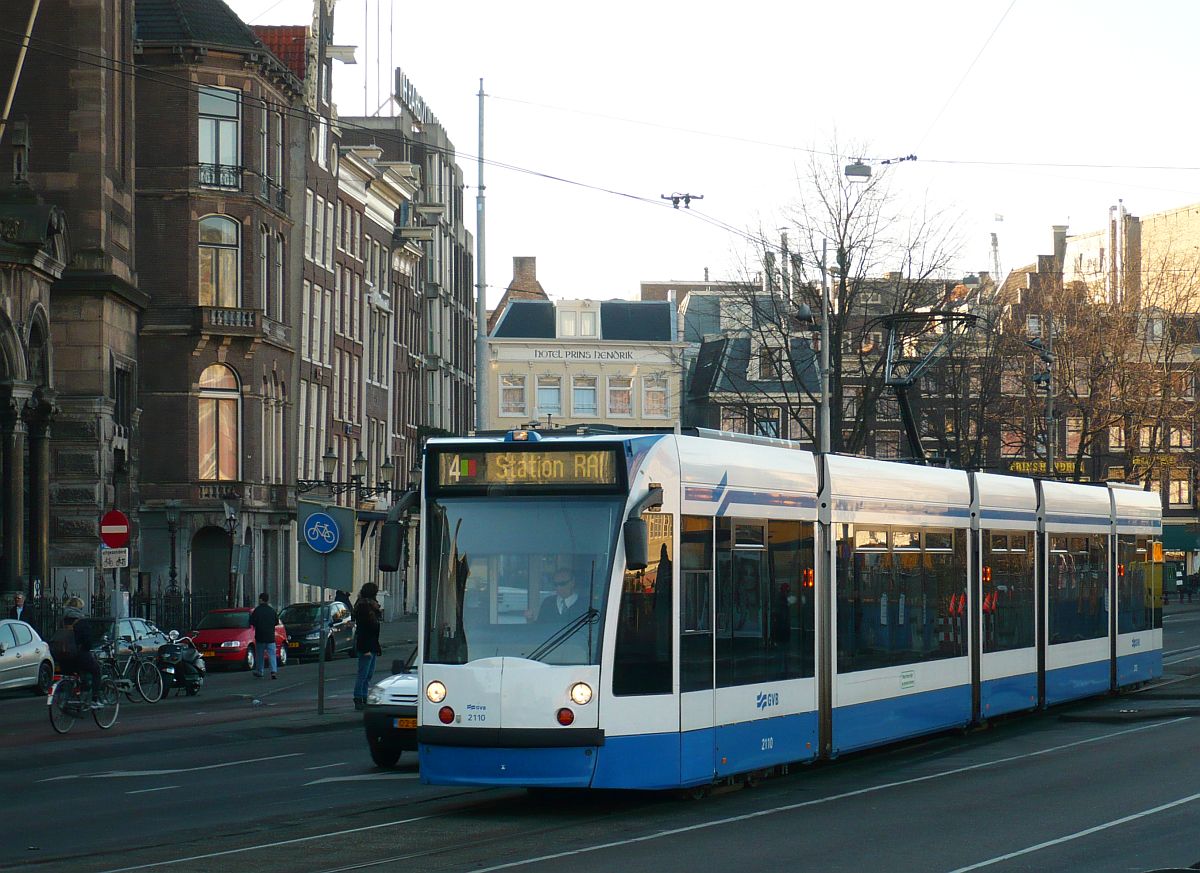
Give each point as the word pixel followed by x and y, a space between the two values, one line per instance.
pixel 568 324
pixel 587 324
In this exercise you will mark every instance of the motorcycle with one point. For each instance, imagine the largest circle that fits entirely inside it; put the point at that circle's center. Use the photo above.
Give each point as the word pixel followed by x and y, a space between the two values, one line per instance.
pixel 181 665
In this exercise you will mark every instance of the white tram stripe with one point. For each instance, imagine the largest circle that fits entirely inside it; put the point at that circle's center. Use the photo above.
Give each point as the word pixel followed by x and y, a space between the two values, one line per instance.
pixel 274 845
pixel 822 800
pixel 1078 834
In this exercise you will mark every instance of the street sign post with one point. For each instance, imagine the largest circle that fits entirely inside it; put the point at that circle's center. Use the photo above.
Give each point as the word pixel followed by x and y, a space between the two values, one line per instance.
pixel 322 534
pixel 114 533
pixel 114 559
pixel 114 529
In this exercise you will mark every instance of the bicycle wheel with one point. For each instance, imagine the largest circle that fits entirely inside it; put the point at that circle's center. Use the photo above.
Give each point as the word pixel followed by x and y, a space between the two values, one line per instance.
pixel 63 705
pixel 149 681
pixel 110 705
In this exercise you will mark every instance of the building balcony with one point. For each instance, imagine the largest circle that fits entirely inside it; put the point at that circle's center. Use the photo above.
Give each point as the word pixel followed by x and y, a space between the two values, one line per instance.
pixel 272 193
pixel 224 176
pixel 229 321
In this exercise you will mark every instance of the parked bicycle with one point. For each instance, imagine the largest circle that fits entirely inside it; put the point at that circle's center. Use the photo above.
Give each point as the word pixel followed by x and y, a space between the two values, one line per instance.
pixel 67 703
pixel 137 673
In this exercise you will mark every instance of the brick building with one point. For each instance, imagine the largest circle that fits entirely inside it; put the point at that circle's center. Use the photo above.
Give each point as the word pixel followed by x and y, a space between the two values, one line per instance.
pixel 217 341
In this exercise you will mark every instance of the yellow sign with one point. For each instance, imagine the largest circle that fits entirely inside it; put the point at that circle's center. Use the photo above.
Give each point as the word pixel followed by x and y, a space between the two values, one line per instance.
pixel 538 467
pixel 1040 466
pixel 1158 552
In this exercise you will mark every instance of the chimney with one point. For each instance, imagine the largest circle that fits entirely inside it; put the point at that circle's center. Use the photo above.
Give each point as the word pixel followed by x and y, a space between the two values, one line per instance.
pixel 706 275
pixel 524 273
pixel 1060 242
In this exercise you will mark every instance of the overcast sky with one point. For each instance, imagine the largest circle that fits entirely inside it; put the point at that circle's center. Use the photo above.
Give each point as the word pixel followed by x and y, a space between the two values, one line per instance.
pixel 995 97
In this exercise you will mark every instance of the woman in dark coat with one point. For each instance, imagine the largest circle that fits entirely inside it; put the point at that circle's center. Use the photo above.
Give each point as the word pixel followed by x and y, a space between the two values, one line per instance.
pixel 367 614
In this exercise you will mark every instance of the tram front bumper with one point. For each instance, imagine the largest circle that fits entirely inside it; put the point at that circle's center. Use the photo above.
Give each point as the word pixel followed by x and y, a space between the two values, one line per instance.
pixel 514 757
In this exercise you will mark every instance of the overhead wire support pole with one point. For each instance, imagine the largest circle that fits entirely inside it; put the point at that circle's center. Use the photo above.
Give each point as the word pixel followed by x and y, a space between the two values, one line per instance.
pixel 12 85
pixel 480 287
pixel 824 445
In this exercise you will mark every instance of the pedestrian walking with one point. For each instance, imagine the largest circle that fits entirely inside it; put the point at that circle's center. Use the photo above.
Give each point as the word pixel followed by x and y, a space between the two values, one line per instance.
pixel 263 619
pixel 367 614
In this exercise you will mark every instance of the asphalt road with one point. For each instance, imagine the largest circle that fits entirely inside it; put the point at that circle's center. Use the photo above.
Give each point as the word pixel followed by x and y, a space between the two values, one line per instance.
pixel 1104 785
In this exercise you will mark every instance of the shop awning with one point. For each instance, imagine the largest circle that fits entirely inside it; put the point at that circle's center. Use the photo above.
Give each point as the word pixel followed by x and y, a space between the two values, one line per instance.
pixel 1180 538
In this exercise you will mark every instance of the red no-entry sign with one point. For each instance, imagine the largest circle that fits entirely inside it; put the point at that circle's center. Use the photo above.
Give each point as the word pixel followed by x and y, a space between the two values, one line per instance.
pixel 114 529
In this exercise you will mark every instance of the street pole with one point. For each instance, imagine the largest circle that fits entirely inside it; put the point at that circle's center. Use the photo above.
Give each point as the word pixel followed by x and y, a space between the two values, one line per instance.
pixel 1050 399
pixel 823 445
pixel 481 376
pixel 324 638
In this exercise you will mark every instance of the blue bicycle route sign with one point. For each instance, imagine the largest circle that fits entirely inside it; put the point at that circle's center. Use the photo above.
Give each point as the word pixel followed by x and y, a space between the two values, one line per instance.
pixel 321 533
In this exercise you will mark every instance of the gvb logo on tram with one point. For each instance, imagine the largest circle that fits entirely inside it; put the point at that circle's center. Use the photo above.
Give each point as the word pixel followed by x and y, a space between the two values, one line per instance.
pixel 766 699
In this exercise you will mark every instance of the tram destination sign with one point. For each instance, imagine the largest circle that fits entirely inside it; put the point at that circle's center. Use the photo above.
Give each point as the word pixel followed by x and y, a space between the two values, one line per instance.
pixel 563 467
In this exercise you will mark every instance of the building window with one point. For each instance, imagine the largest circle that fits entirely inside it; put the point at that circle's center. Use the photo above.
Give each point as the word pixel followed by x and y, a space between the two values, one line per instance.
pixel 887 444
pixel 1179 489
pixel 770 363
pixel 568 324
pixel 219 261
pixel 1180 436
pixel 309 205
pixel 549 395
pixel 1012 443
pixel 1116 474
pixel 1033 325
pixel 512 395
pixel 766 421
pixel 587 324
pixel 583 395
pixel 220 121
pixel 264 267
pixel 279 306
pixel 620 396
pixel 122 395
pixel 219 428
pixel 1116 437
pixel 278 175
pixel 803 425
pixel 1146 437
pixel 1074 435
pixel 654 397
pixel 1182 384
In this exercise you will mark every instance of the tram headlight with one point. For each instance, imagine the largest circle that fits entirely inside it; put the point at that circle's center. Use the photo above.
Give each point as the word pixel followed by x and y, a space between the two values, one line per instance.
pixel 581 693
pixel 435 691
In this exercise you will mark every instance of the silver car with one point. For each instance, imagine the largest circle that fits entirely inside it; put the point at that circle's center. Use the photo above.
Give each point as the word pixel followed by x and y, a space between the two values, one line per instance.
pixel 25 660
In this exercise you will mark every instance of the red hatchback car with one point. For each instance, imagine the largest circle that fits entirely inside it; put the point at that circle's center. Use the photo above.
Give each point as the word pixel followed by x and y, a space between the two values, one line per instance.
pixel 224 636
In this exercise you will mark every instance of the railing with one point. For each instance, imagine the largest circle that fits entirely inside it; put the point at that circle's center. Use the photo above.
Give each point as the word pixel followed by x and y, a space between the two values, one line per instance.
pixel 230 321
pixel 221 176
pixel 272 193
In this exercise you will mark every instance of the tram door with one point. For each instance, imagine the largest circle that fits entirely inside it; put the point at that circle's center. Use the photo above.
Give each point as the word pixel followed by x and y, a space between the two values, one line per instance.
pixel 696 700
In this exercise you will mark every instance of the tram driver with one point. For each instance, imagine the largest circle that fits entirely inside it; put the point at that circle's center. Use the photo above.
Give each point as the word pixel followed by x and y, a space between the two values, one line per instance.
pixel 564 604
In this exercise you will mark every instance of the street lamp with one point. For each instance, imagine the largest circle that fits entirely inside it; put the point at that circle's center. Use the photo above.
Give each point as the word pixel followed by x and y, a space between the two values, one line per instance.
pixel 329 463
pixel 1044 381
pixel 172 513
pixel 231 526
pixel 358 474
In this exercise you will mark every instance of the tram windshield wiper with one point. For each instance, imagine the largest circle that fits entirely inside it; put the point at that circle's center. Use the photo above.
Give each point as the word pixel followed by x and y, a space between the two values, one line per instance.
pixel 563 634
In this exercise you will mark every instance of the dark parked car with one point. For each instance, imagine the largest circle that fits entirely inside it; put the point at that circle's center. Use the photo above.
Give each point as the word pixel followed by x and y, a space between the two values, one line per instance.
pixel 390 718
pixel 127 631
pixel 303 623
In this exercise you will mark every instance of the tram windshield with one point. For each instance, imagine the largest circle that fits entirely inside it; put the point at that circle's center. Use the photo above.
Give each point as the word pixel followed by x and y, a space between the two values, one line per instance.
pixel 519 577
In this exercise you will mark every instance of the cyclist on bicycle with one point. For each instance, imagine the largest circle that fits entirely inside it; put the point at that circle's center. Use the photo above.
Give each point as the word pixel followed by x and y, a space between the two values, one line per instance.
pixel 80 660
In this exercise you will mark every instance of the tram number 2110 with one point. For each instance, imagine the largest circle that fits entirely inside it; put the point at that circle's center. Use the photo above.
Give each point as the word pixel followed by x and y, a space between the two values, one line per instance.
pixel 768 743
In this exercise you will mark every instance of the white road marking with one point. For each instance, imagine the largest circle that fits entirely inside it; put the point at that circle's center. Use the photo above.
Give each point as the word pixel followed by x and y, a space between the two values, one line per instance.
pixel 148 790
pixel 1174 661
pixel 1078 834
pixel 114 774
pixel 823 800
pixel 275 845
pixel 327 766
pixel 362 777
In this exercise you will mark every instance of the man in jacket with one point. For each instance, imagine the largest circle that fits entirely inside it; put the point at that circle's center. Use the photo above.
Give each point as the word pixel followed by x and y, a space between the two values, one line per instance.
pixel 263 619
pixel 367 613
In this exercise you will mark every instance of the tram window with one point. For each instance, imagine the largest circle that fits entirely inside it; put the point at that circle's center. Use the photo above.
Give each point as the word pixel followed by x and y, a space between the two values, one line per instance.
pixel 898 607
pixel 1008 592
pixel 748 534
pixel 939 540
pixel 765 607
pixel 909 540
pixel 1077 607
pixel 1136 590
pixel 642 658
pixel 695 628
pixel 870 539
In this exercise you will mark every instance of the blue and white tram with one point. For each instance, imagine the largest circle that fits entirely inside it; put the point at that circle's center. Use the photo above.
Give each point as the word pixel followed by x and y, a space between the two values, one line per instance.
pixel 666 610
